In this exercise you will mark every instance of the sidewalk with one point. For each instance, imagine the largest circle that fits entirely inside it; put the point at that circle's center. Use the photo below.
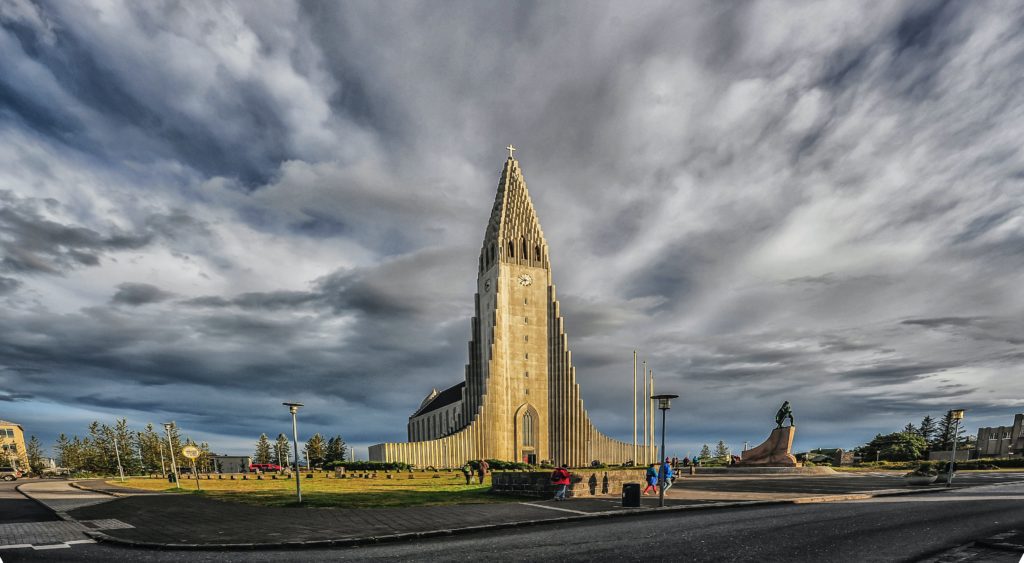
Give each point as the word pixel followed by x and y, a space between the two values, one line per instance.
pixel 185 521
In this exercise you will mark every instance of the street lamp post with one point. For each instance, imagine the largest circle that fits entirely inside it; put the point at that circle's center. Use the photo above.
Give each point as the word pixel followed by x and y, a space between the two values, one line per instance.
pixel 664 403
pixel 117 452
pixel 294 408
pixel 958 415
pixel 170 446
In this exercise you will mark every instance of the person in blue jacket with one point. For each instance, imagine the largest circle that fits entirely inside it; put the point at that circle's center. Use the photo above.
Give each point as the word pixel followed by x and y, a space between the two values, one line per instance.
pixel 652 479
pixel 665 475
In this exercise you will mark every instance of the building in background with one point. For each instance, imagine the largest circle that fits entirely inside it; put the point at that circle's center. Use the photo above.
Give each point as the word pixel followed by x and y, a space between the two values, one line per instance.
pixel 1002 441
pixel 520 400
pixel 231 463
pixel 12 445
pixel 439 414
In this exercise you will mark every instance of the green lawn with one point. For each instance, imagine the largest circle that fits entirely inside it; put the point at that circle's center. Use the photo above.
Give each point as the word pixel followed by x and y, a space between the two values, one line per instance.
pixel 422 490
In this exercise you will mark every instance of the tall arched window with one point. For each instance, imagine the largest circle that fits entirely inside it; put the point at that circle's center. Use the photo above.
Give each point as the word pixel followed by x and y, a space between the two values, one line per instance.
pixel 526 253
pixel 529 437
pixel 536 251
pixel 511 250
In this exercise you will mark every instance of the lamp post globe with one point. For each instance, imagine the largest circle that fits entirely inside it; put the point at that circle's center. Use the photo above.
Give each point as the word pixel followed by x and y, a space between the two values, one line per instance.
pixel 957 415
pixel 174 465
pixel 664 404
pixel 293 408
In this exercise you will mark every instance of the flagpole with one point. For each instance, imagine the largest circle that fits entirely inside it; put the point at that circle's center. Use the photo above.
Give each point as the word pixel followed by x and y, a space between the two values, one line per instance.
pixel 653 420
pixel 635 461
pixel 644 400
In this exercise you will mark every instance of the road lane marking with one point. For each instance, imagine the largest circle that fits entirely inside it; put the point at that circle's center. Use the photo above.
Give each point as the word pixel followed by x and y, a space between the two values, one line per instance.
pixel 554 508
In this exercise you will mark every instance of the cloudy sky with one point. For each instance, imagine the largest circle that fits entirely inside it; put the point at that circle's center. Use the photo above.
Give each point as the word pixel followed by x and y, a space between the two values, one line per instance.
pixel 208 208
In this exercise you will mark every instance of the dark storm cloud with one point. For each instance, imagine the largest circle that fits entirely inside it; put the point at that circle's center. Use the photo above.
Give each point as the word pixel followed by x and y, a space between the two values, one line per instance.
pixel 139 294
pixel 10 397
pixel 32 243
pixel 944 321
pixel 763 208
pixel 8 285
pixel 271 300
pixel 894 374
pixel 111 106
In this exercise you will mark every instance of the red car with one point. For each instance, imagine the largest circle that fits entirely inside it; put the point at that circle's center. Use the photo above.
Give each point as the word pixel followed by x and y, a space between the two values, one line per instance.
pixel 264 467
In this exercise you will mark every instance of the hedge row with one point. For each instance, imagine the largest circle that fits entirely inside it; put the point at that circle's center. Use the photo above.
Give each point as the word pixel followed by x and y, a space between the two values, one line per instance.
pixel 991 463
pixel 369 465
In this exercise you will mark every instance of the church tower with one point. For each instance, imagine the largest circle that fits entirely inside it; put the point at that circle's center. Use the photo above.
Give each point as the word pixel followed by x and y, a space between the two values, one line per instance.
pixel 520 400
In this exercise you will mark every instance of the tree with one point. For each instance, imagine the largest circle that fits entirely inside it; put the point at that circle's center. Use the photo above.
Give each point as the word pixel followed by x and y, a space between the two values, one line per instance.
pixel 98 451
pixel 927 428
pixel 152 445
pixel 944 434
pixel 898 446
pixel 335 449
pixel 910 428
pixel 77 455
pixel 721 450
pixel 205 459
pixel 705 452
pixel 35 456
pixel 315 450
pixel 62 449
pixel 281 452
pixel 126 447
pixel 262 454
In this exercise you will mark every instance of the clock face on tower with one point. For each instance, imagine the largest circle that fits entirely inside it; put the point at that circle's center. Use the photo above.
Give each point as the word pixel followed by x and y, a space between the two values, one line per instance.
pixel 525 279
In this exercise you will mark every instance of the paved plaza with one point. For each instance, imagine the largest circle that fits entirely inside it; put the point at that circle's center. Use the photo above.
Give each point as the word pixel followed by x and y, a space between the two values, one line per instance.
pixel 144 518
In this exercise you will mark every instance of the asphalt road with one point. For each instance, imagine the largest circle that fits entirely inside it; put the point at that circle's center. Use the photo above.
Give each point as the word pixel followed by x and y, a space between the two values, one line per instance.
pixel 14 507
pixel 909 528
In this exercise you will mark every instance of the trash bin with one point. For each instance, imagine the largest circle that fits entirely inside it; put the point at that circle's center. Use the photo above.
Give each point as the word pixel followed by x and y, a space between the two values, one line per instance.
pixel 631 495
pixel 171 477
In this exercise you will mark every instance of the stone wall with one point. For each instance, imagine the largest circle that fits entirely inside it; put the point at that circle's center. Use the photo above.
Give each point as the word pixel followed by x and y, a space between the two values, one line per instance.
pixel 585 483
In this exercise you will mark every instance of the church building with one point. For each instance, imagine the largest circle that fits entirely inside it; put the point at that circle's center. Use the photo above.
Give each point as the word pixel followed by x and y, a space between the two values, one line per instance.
pixel 520 400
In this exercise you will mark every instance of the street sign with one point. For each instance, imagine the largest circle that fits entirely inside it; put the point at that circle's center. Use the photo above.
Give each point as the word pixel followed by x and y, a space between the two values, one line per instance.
pixel 190 452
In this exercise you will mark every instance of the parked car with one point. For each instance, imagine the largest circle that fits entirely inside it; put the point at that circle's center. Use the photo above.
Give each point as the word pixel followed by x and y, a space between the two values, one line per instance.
pixel 9 473
pixel 264 467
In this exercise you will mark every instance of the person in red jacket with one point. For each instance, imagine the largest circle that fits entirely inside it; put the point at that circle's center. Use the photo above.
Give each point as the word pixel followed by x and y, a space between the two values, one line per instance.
pixel 560 477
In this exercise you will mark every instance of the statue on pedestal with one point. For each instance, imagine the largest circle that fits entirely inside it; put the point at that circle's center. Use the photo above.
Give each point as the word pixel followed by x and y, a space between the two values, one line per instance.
pixel 776 450
pixel 784 411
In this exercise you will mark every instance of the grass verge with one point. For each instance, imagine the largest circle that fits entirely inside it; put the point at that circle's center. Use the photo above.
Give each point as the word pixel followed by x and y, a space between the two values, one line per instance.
pixel 423 490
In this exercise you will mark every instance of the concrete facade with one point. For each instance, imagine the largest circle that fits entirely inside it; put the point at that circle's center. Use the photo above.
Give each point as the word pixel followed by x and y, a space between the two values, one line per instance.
pixel 12 445
pixel 520 400
pixel 1002 441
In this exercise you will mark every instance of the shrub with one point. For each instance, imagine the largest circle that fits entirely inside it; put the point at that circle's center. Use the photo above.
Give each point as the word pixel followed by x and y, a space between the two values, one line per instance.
pixel 926 468
pixel 990 463
pixel 501 465
pixel 368 465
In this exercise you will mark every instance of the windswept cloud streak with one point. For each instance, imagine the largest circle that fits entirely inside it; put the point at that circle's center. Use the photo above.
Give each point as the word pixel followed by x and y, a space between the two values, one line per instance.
pixel 204 208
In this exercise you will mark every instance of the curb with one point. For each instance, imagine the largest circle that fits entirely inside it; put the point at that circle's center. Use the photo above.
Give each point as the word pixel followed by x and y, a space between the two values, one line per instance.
pixel 82 487
pixel 62 515
pixel 406 536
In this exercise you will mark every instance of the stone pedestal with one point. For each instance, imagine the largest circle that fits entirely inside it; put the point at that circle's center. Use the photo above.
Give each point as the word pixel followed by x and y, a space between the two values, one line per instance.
pixel 774 452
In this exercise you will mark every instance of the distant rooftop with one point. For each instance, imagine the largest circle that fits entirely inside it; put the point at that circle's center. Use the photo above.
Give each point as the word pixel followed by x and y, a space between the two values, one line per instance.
pixel 442 399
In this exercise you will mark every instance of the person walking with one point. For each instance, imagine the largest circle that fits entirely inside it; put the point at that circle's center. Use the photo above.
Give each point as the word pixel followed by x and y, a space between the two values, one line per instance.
pixel 481 470
pixel 665 475
pixel 652 479
pixel 561 478
pixel 467 472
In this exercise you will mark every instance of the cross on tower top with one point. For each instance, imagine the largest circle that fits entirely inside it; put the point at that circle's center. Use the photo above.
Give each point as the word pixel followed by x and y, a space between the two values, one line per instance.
pixel 511 149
